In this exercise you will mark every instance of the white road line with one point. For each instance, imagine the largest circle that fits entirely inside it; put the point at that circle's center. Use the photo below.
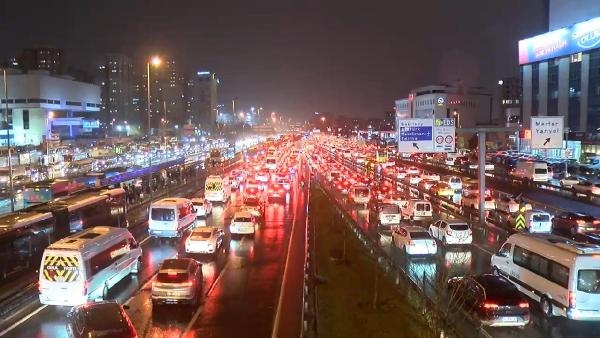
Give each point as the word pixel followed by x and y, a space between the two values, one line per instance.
pixel 23 320
pixel 144 240
pixel 275 330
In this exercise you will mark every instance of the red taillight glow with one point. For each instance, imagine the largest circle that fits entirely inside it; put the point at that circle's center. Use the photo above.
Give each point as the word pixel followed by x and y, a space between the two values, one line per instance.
pixel 596 222
pixel 580 222
pixel 490 306
pixel 524 305
pixel 572 300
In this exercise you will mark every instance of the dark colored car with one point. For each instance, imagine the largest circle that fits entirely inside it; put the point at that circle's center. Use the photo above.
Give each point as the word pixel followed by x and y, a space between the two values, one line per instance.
pixel 490 299
pixel 568 223
pixel 101 319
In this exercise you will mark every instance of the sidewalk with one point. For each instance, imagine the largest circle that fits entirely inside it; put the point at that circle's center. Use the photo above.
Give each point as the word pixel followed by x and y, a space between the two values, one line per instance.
pixel 354 298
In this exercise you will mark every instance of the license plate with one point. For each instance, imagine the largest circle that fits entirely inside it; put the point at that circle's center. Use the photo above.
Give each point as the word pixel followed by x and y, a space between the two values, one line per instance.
pixel 510 319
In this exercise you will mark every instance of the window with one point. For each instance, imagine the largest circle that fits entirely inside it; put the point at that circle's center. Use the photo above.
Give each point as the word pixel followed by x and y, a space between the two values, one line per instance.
pixel 163 214
pixel 108 256
pixel 541 266
pixel 25 119
pixel 20 101
pixel 588 281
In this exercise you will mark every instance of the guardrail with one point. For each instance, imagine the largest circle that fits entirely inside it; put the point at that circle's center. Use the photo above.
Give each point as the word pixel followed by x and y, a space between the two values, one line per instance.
pixel 310 308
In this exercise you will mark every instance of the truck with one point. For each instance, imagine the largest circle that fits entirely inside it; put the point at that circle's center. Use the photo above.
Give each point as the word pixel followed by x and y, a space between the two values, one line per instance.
pixel 531 171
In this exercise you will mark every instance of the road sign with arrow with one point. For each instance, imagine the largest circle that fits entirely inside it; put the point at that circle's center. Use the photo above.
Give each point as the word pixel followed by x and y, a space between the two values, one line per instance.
pixel 547 132
pixel 520 222
pixel 415 135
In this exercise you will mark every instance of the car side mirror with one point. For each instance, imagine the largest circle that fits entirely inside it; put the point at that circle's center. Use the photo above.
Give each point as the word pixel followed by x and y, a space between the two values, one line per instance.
pixel 502 254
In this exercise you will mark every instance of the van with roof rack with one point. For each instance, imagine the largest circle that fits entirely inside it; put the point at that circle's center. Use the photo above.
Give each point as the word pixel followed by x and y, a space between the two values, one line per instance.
pixel 561 274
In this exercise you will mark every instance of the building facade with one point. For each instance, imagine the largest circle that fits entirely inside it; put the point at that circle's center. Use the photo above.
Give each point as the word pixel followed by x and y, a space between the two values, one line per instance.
pixel 508 101
pixel 560 70
pixel 40 104
pixel 471 106
pixel 201 99
pixel 42 58
pixel 115 76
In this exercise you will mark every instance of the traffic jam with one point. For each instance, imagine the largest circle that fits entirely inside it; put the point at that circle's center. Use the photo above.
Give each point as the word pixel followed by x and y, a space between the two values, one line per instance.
pixel 523 266
pixel 104 281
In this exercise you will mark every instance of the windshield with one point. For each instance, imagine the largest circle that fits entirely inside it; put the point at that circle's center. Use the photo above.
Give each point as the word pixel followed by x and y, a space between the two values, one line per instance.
pixel 455 180
pixel 540 218
pixel 420 235
pixel 162 214
pixel 589 281
pixel 423 207
pixel 540 171
pixel 361 192
pixel 390 209
pixel 459 226
pixel 200 235
pixel 243 219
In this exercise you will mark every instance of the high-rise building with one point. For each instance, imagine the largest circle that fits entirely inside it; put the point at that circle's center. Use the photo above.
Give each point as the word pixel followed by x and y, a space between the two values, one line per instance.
pixel 201 98
pixel 508 101
pixel 560 69
pixel 115 76
pixel 171 87
pixel 42 58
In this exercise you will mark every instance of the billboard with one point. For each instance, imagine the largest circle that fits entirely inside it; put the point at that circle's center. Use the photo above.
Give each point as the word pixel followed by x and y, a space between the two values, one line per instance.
pixel 565 41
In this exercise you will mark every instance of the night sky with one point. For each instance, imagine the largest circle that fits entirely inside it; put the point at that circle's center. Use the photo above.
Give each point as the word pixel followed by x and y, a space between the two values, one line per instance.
pixel 295 57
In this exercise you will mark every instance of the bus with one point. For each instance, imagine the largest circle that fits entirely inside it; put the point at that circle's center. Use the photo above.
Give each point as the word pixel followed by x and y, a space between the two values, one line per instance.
pixel 561 274
pixel 84 266
pixel 25 234
pixel 45 191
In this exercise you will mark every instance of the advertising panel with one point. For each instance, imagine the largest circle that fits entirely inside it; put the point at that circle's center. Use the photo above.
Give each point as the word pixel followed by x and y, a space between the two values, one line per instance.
pixel 565 41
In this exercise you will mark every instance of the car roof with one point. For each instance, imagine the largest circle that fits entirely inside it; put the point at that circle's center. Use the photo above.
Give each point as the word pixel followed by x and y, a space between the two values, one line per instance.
pixel 103 316
pixel 204 229
pixel 176 263
pixel 242 214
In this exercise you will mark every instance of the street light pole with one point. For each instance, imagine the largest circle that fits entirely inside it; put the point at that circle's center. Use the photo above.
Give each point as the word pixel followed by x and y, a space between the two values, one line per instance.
pixel 10 168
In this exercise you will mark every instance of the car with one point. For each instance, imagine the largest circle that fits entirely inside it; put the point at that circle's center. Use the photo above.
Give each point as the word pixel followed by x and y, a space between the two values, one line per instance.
pixel 414 240
pixel 285 182
pixel 451 232
pixel 254 184
pixel 202 206
pixel 99 319
pixel 472 187
pixel 569 181
pixel 204 240
pixel 472 201
pixel 442 189
pixel 413 179
pixel 507 204
pixel 569 223
pixel 256 209
pixel 178 281
pixel 401 174
pixel 426 184
pixel 263 175
pixel 276 192
pixel 413 170
pixel 397 199
pixel 389 214
pixel 426 175
pixel 343 187
pixel 243 223
pixel 489 299
pixel 235 184
pixel 586 187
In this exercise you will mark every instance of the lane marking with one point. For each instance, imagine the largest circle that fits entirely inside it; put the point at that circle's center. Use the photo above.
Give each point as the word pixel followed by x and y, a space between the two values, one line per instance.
pixel 144 240
pixel 23 320
pixel 275 330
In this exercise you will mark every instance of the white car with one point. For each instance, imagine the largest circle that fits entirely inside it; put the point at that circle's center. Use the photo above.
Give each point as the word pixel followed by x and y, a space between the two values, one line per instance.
pixel 414 240
pixel 430 176
pixel 587 187
pixel 204 240
pixel 507 204
pixel 389 214
pixel 285 183
pixel 243 223
pixel 255 209
pixel 451 232
pixel 569 181
pixel 254 184
pixel 472 201
pixel 202 206
pixel 413 170
pixel 413 179
pixel 397 199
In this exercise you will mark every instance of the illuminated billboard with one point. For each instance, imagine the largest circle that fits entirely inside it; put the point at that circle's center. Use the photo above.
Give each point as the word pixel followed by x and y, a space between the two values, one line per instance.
pixel 565 41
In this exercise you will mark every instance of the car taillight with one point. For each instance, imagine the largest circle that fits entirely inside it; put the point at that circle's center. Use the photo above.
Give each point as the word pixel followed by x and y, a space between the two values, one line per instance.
pixel 572 300
pixel 596 222
pixel 524 305
pixel 490 306
pixel 580 222
pixel 411 243
pixel 281 190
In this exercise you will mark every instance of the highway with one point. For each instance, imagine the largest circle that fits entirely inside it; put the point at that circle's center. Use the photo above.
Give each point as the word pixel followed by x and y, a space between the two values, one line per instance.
pixel 458 261
pixel 242 282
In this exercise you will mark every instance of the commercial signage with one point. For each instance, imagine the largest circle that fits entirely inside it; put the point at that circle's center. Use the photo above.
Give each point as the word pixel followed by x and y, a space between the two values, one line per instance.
pixel 445 135
pixel 565 41
pixel 427 135
pixel 89 124
pixel 547 132
pixel 415 135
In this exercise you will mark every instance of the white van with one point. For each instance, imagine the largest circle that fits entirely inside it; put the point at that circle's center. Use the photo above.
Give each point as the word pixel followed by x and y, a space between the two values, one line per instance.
pixel 454 182
pixel 243 223
pixel 169 217
pixel 217 188
pixel 560 274
pixel 359 194
pixel 534 171
pixel 389 214
pixel 84 266
pixel 417 210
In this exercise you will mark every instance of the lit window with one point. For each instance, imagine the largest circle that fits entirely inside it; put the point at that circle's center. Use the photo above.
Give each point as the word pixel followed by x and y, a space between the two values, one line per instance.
pixel 576 57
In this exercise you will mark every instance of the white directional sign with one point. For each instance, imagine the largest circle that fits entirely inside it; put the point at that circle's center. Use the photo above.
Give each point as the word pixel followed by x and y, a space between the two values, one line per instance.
pixel 444 135
pixel 547 132
pixel 415 135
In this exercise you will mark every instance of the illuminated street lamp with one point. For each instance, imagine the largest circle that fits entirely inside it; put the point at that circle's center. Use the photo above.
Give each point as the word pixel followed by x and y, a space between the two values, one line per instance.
pixel 154 61
pixel 10 167
pixel 457 115
pixel 48 136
